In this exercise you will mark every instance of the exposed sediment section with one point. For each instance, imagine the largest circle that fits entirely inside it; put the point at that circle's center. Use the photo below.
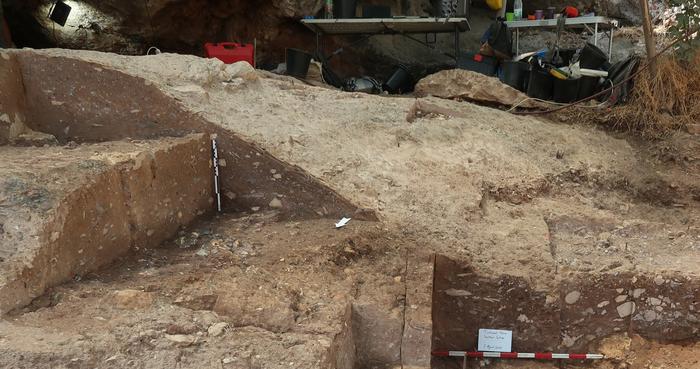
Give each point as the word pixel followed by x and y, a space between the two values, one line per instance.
pixel 67 98
pixel 576 316
pixel 65 212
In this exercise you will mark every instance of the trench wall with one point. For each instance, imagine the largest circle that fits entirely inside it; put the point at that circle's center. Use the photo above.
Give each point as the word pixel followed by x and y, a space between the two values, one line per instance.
pixel 134 203
pixel 575 317
pixel 85 102
pixel 12 105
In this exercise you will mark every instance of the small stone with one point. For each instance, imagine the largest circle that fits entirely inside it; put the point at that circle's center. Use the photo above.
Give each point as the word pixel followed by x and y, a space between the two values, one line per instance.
pixel 202 252
pixel 397 279
pixel 457 293
pixel 650 315
pixel 275 203
pixel 620 290
pixel 572 297
pixel 181 339
pixel 653 301
pixel 217 329
pixel 620 298
pixel 227 360
pixel 255 208
pixel 132 299
pixel 222 162
pixel 626 309
pixel 659 280
pixel 277 176
pixel 638 292
pixel 604 304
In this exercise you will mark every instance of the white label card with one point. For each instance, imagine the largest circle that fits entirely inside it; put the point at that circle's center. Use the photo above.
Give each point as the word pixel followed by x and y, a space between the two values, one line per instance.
pixel 495 340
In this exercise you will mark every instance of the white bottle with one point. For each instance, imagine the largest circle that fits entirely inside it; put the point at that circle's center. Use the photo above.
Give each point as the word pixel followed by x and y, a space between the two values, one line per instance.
pixel 518 10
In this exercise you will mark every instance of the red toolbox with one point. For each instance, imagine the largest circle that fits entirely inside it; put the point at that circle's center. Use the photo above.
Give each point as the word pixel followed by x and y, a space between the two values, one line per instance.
pixel 231 52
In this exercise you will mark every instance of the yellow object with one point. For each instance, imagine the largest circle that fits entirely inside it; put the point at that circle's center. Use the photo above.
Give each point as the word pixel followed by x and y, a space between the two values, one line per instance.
pixel 495 4
pixel 558 74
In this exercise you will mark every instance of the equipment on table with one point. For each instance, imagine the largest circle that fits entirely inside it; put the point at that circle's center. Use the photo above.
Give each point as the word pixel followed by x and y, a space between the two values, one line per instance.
pixel 231 52
pixel 376 11
pixel 518 10
pixel 445 8
pixel 494 4
pixel 344 9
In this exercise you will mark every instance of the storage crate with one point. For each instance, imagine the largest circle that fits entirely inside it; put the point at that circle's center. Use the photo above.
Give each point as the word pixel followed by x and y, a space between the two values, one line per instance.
pixel 231 52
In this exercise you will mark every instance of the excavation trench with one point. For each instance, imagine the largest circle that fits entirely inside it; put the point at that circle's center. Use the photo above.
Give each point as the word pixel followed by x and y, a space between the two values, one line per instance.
pixel 97 162
pixel 577 317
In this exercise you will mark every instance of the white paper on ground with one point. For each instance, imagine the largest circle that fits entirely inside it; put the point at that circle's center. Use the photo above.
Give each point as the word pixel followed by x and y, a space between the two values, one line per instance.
pixel 342 222
pixel 495 340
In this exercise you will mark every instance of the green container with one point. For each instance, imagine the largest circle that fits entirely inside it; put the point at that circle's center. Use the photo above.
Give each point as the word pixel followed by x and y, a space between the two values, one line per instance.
pixel 510 17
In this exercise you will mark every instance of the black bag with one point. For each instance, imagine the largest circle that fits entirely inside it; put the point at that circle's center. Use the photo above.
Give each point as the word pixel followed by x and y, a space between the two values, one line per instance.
pixel 618 73
pixel 500 40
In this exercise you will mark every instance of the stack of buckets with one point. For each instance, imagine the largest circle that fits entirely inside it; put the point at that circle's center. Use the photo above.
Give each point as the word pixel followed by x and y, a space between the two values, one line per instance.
pixel 546 84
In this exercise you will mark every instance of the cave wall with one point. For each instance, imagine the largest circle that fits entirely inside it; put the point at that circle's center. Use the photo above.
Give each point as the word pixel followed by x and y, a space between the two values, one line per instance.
pixel 183 26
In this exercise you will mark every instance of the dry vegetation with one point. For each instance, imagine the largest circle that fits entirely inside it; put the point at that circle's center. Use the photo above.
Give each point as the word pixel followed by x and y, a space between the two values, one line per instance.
pixel 660 104
pixel 664 102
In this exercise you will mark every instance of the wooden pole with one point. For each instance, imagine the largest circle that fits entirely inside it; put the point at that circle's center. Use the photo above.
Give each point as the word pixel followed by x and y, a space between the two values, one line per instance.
pixel 649 41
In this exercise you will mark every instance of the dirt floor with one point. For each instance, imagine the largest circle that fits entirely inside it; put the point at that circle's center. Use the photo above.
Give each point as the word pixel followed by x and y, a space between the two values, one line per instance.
pixel 577 238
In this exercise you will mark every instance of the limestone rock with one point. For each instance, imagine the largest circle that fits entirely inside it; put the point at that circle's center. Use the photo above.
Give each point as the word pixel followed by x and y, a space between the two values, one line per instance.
pixel 197 302
pixel 626 309
pixel 181 339
pixel 572 297
pixel 468 85
pixel 217 329
pixel 132 299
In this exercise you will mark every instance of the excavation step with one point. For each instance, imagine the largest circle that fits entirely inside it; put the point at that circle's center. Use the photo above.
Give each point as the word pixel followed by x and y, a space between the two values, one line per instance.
pixel 66 211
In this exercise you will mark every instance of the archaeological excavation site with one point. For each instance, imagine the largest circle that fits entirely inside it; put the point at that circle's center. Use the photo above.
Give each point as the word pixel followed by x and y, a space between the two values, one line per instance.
pixel 208 184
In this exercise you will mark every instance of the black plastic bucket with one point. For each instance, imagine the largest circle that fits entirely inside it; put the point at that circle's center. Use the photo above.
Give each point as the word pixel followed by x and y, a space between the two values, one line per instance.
pixel 566 56
pixel 565 90
pixel 592 57
pixel 298 63
pixel 344 8
pixel 400 81
pixel 588 86
pixel 515 74
pixel 540 84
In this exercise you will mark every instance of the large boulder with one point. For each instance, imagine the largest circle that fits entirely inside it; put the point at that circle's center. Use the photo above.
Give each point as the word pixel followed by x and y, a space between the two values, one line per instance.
pixel 467 85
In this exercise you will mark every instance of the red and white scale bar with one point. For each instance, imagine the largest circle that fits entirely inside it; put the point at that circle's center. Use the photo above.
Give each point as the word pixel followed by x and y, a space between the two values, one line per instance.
pixel 519 355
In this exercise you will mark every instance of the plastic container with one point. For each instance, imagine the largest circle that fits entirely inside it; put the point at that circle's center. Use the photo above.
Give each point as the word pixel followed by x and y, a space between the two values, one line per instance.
pixel 592 57
pixel 230 52
pixel 376 11
pixel 539 14
pixel 587 86
pixel 515 74
pixel 565 90
pixel 483 64
pixel 400 81
pixel 550 13
pixel 298 63
pixel 566 56
pixel 518 10
pixel 540 84
pixel 344 8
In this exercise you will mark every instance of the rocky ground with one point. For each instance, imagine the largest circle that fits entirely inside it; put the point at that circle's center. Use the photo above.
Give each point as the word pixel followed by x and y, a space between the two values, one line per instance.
pixel 572 220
